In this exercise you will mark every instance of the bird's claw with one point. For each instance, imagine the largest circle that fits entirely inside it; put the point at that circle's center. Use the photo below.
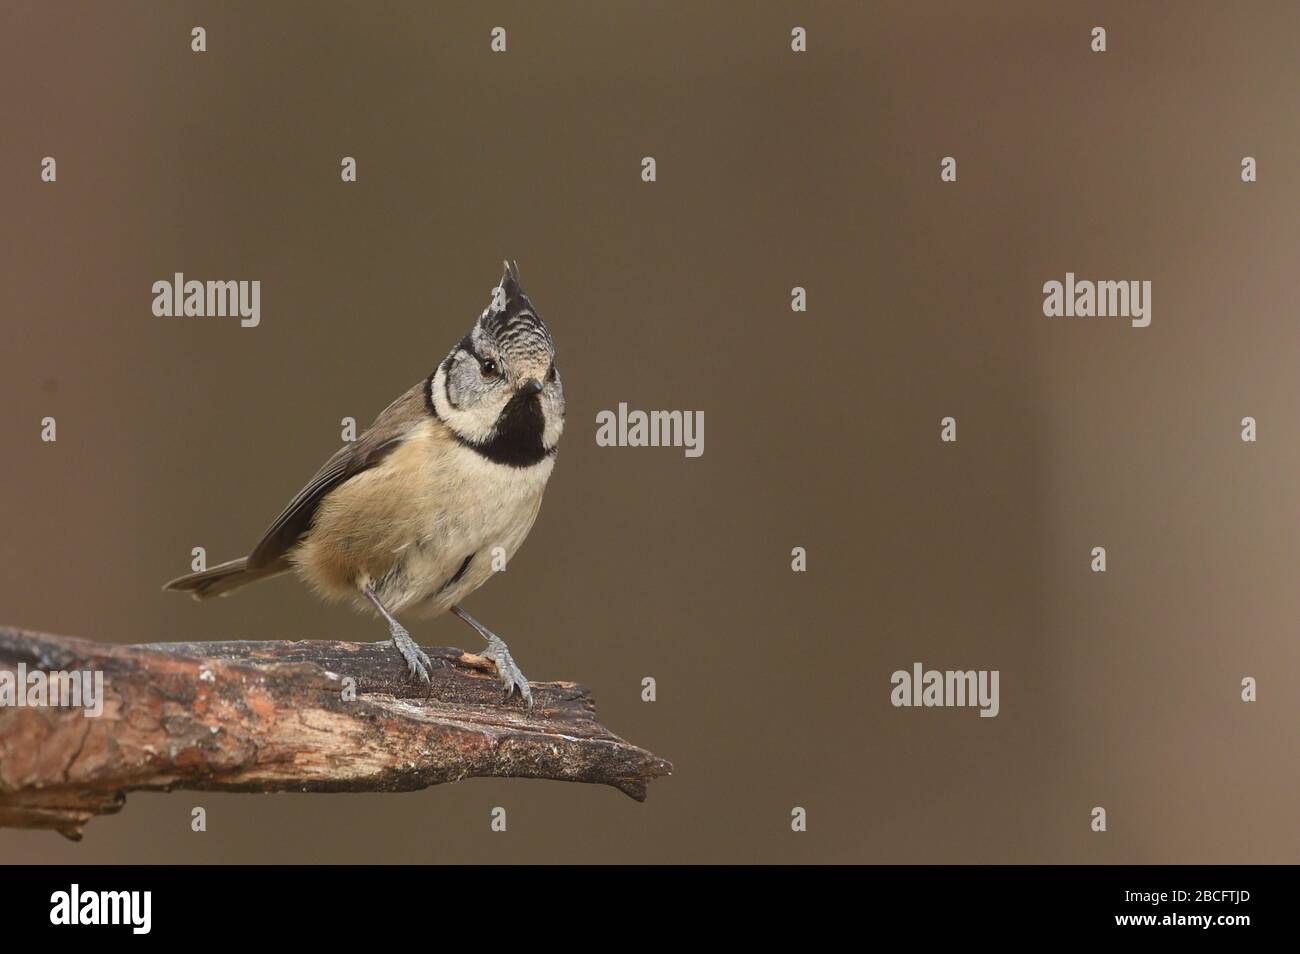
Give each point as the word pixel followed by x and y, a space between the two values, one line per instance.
pixel 511 678
pixel 417 660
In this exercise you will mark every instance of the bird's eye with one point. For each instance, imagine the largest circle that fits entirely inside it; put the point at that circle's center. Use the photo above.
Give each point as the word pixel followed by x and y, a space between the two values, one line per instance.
pixel 550 375
pixel 488 367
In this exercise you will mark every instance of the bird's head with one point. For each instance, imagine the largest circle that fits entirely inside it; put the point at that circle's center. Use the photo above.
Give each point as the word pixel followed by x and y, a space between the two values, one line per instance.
pixel 499 390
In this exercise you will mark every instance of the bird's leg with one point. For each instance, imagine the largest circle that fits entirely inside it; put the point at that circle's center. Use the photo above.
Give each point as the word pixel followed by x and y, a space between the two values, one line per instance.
pixel 511 677
pixel 415 657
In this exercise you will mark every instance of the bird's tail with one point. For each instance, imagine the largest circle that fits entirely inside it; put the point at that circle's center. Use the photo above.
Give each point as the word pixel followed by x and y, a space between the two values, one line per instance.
pixel 224 577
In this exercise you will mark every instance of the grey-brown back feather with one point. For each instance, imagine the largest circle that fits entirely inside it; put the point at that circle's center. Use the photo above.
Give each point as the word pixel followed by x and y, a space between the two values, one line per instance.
pixel 383 437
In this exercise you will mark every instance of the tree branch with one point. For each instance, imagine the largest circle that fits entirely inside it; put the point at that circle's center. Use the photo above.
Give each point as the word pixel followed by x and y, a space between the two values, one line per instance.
pixel 276 716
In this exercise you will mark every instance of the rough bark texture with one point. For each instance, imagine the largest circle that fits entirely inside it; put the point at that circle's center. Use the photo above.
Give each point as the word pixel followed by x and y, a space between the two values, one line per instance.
pixel 274 716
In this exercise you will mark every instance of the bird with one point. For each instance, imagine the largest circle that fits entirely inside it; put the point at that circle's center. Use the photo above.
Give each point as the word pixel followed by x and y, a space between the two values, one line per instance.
pixel 406 520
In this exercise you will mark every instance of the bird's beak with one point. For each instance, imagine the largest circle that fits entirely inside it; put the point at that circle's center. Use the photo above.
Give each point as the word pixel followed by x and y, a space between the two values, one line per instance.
pixel 530 386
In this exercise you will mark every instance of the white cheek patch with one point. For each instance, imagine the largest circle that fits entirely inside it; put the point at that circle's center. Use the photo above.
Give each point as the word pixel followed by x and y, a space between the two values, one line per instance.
pixel 474 423
pixel 554 411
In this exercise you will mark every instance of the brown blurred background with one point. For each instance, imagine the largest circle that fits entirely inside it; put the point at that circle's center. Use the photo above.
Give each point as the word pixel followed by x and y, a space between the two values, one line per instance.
pixel 822 430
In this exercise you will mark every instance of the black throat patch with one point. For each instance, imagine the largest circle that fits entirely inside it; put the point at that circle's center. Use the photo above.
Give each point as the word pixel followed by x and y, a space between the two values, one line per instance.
pixel 517 441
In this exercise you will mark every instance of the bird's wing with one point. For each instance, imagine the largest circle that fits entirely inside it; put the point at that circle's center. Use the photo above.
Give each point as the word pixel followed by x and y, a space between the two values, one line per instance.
pixel 383 437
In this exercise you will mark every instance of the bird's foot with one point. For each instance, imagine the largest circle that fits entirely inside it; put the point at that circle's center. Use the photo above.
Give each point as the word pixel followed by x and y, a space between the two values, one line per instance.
pixel 511 677
pixel 417 660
